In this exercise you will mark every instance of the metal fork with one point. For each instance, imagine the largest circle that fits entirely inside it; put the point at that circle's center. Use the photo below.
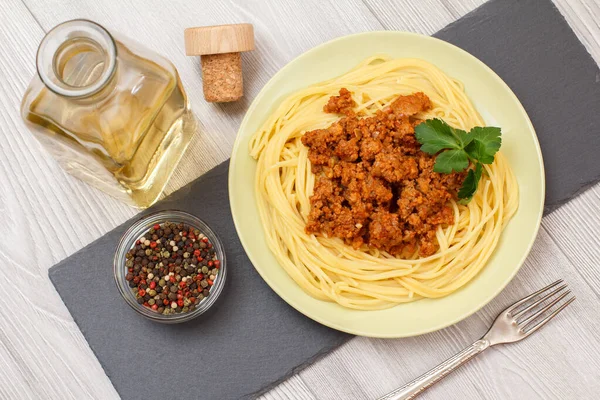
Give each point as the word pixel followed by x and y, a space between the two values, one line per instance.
pixel 513 324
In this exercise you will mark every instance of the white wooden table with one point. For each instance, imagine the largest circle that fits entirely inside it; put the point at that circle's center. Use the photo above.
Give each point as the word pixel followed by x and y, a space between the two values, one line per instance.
pixel 46 215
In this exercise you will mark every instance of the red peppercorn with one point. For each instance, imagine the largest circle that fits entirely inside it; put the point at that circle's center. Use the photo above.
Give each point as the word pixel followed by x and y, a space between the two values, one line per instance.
pixel 180 303
pixel 197 253
pixel 209 282
pixel 200 259
pixel 155 307
pixel 210 263
pixel 142 292
pixel 166 302
pixel 156 227
pixel 199 277
pixel 179 296
pixel 136 280
pixel 184 234
pixel 138 242
pixel 193 299
pixel 152 285
pixel 192 237
pixel 209 246
pixel 146 304
pixel 205 240
pixel 155 258
pixel 172 279
pixel 182 284
pixel 174 255
pixel 153 245
pixel 217 263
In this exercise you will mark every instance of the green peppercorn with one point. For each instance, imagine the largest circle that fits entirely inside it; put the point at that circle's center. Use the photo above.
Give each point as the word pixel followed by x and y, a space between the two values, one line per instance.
pixel 151 302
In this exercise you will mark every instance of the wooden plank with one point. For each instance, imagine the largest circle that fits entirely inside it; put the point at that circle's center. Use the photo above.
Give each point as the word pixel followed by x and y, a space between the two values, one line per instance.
pixel 575 228
pixel 291 389
pixel 40 345
pixel 425 16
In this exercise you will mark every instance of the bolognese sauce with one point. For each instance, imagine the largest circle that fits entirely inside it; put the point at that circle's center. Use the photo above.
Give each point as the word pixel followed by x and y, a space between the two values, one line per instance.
pixel 373 184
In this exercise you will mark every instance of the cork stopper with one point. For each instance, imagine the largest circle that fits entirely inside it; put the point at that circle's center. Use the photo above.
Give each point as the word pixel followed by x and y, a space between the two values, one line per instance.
pixel 219 49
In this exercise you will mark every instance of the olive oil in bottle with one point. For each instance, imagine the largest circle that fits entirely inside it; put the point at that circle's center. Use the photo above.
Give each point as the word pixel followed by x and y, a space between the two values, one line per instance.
pixel 113 113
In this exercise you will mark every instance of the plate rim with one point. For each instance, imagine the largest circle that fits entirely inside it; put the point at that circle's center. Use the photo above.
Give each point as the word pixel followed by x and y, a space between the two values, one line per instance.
pixel 296 304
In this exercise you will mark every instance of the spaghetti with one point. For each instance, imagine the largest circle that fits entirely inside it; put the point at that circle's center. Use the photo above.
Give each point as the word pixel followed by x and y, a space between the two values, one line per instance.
pixel 366 278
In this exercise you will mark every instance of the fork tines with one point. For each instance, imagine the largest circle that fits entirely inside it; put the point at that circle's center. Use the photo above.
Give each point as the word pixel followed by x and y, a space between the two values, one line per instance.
pixel 535 310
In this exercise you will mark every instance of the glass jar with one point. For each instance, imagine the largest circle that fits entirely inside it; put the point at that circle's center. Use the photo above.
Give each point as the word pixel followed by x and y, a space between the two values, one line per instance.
pixel 135 232
pixel 113 113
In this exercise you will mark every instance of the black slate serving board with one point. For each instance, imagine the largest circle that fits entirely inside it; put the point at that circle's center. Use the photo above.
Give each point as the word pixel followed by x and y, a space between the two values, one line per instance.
pixel 251 339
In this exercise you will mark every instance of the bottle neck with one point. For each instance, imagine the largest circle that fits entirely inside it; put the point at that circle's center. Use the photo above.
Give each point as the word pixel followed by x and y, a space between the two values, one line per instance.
pixel 77 59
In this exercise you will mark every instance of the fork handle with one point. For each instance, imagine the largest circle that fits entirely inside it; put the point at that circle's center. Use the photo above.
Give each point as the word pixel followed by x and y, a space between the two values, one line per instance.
pixel 415 387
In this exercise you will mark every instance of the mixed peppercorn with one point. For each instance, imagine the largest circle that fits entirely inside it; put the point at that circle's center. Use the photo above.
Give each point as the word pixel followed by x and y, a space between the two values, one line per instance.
pixel 172 268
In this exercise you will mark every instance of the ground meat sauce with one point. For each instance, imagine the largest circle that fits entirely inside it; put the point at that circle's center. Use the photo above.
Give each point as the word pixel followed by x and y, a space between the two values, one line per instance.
pixel 373 183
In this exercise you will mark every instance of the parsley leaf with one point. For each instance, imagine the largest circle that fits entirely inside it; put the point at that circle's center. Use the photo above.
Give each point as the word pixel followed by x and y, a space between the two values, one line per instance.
pixel 470 183
pixel 451 160
pixel 456 149
pixel 486 142
pixel 435 135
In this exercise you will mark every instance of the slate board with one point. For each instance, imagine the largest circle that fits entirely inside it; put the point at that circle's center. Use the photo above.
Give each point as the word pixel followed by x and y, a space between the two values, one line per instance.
pixel 530 45
pixel 251 339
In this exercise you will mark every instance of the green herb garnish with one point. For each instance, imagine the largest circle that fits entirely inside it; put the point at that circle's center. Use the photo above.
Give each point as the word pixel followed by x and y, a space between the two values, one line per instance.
pixel 456 148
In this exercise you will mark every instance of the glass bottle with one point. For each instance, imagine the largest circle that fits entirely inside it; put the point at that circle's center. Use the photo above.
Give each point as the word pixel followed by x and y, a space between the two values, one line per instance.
pixel 113 113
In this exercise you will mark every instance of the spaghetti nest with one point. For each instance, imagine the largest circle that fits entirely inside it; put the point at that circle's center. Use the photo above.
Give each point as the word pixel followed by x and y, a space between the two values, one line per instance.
pixel 365 277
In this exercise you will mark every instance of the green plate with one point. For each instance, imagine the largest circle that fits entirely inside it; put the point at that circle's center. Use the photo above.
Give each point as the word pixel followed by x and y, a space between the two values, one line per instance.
pixel 498 106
